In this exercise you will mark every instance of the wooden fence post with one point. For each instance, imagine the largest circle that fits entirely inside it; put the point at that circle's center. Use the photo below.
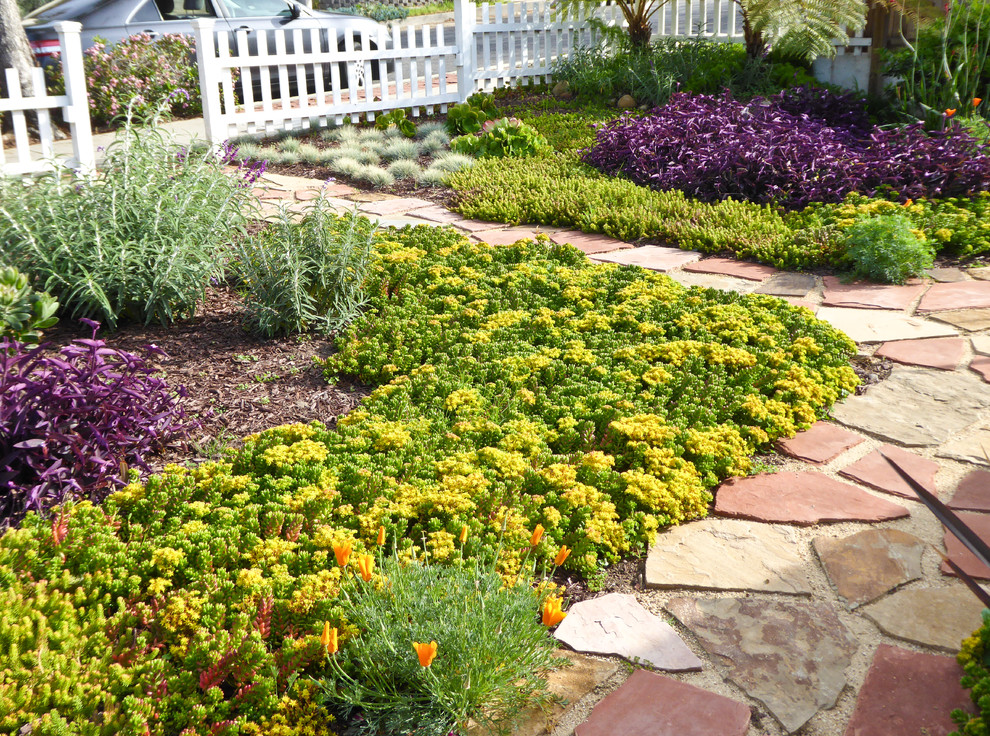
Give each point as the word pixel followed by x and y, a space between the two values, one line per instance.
pixel 76 112
pixel 465 20
pixel 209 79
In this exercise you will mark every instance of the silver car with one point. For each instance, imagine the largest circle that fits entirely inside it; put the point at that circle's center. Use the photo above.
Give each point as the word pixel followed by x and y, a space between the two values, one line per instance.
pixel 115 20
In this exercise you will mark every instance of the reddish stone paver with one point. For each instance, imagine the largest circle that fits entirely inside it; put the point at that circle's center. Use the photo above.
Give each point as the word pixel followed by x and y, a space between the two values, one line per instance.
pixel 874 471
pixel 869 296
pixel 653 257
pixel 981 364
pixel 973 492
pixel 944 353
pixel 394 206
pixel 908 693
pixel 964 295
pixel 732 267
pixel 589 243
pixel 505 237
pixel 823 442
pixel 648 704
pixel 272 193
pixel 306 195
pixel 802 499
pixel 980 524
pixel 338 190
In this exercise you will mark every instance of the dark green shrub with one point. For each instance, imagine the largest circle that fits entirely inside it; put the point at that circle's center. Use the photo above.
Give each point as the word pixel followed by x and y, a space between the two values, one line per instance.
pixel 140 241
pixel 399 120
pixel 974 658
pixel 24 312
pixel 469 116
pixel 305 275
pixel 885 249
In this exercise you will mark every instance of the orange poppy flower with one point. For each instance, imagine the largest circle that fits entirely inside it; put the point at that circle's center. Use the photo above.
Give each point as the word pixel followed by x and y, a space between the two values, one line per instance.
pixel 329 638
pixel 562 555
pixel 426 652
pixel 342 552
pixel 537 535
pixel 553 612
pixel 977 101
pixel 463 536
pixel 381 536
pixel 366 564
pixel 950 112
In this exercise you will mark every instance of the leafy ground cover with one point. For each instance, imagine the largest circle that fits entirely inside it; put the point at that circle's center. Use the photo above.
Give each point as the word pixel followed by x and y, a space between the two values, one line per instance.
pixel 523 386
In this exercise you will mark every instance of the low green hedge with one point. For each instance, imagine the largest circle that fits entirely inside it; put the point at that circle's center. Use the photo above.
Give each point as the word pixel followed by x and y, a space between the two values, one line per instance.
pixel 517 386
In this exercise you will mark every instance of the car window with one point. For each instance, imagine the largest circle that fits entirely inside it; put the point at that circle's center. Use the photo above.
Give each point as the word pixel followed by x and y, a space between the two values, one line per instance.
pixel 66 9
pixel 146 12
pixel 257 8
pixel 185 9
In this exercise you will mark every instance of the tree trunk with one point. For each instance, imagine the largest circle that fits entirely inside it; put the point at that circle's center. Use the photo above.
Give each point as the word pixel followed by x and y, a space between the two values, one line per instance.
pixel 756 46
pixel 15 52
pixel 640 32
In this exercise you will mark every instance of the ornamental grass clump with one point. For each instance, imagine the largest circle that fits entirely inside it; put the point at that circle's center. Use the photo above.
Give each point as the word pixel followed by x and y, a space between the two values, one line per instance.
pixel 73 423
pixel 790 150
pixel 431 649
pixel 137 242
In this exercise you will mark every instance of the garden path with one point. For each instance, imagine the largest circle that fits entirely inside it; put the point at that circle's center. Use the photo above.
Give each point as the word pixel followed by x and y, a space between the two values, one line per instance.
pixel 813 600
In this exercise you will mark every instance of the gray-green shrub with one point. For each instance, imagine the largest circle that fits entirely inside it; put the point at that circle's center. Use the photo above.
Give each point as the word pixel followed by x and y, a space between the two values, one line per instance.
pixel 885 249
pixel 138 241
pixel 306 275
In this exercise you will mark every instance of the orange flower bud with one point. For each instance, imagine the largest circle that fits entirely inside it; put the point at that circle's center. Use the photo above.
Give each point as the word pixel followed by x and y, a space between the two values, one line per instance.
pixel 366 564
pixel 426 652
pixel 464 533
pixel 553 612
pixel 564 553
pixel 977 101
pixel 949 112
pixel 537 535
pixel 329 638
pixel 342 552
pixel 381 536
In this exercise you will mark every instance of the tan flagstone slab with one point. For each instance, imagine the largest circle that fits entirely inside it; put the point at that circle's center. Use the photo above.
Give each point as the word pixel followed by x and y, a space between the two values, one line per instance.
pixel 784 283
pixel 397 206
pixel 653 257
pixel 875 471
pixel 791 656
pixel 932 617
pixel 728 554
pixel 870 296
pixel 617 624
pixel 474 226
pixel 943 353
pixel 505 237
pixel 801 498
pixel 972 448
pixel 732 267
pixel 982 273
pixel 869 325
pixel 371 197
pixel 917 407
pixel 713 281
pixel 947 275
pixel 823 442
pixel 981 344
pixel 963 295
pixel 865 565
pixel 908 692
pixel 971 320
pixel 435 213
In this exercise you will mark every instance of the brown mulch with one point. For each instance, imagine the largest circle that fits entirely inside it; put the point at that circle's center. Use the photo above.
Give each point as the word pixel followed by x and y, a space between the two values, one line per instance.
pixel 237 383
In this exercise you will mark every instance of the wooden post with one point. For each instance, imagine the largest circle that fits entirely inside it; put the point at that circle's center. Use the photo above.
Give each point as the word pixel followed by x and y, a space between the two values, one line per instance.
pixel 209 79
pixel 465 20
pixel 76 112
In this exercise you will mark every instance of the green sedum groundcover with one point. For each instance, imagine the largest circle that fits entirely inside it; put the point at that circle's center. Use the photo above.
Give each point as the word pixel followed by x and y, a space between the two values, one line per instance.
pixel 516 386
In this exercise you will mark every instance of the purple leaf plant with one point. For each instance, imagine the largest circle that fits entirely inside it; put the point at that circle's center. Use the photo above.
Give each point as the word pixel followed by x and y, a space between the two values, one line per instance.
pixel 794 148
pixel 73 422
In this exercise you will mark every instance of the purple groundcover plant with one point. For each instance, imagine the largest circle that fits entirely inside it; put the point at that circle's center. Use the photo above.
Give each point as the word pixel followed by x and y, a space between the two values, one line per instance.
pixel 794 148
pixel 72 423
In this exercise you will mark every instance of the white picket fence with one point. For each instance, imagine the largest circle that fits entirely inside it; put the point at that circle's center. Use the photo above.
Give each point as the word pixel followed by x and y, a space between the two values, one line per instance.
pixel 28 158
pixel 322 79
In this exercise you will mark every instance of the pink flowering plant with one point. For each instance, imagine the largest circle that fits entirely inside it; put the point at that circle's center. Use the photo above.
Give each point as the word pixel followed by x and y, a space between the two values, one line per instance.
pixel 142 69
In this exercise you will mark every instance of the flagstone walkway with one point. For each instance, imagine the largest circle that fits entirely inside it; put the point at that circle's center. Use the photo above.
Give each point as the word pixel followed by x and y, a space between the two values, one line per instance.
pixel 813 599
